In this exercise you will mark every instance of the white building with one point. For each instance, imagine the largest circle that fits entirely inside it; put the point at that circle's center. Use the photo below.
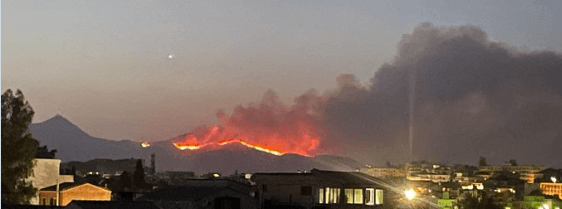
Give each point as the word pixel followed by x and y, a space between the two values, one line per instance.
pixel 46 172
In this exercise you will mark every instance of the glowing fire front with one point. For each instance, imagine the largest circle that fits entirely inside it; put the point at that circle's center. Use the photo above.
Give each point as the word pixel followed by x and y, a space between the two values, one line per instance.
pixel 268 126
pixel 215 137
pixel 182 146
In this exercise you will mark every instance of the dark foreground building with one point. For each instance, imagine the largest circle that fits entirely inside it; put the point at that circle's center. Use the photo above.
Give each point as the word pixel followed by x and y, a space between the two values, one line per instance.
pixel 204 193
pixel 318 189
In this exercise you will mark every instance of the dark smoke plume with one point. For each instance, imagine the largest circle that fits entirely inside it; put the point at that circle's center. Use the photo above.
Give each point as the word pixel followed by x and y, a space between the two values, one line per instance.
pixel 473 97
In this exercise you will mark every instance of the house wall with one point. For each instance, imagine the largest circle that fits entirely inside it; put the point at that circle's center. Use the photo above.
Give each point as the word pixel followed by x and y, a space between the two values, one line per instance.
pixel 290 193
pixel 286 189
pixel 246 201
pixel 47 195
pixel 65 178
pixel 552 189
pixel 45 174
pixel 84 192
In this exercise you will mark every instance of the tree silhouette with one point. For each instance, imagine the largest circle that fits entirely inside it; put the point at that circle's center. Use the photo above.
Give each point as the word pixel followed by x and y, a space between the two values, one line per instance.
pixel 484 202
pixel 389 165
pixel 138 175
pixel 19 148
pixel 482 161
pixel 513 162
pixel 124 182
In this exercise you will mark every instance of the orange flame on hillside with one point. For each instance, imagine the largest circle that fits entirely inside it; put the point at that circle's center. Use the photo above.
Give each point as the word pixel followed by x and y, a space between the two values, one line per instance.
pixel 250 145
pixel 265 148
pixel 268 126
pixel 145 144
pixel 182 146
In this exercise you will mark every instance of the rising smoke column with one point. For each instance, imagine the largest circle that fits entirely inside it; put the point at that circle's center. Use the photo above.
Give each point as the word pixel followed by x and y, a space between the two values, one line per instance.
pixel 472 97
pixel 457 93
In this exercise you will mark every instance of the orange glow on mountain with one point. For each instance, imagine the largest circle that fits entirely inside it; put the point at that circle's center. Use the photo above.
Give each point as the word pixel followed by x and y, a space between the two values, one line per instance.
pixel 145 144
pixel 189 143
pixel 268 126
pixel 218 136
pixel 181 146
pixel 250 145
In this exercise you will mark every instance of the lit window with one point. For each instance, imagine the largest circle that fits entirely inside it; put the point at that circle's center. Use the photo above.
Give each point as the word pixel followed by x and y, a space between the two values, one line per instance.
pixel 332 195
pixel 327 195
pixel 320 195
pixel 369 196
pixel 355 196
pixel 358 196
pixel 379 199
pixel 349 196
pixel 335 195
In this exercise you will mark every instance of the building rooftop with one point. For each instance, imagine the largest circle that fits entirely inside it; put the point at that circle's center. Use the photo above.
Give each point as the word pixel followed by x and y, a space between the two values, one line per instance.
pixel 334 176
pixel 182 193
pixel 67 185
pixel 111 204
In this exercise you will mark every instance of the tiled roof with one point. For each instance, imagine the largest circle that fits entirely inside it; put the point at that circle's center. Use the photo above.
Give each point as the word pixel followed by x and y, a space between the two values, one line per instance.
pixel 67 185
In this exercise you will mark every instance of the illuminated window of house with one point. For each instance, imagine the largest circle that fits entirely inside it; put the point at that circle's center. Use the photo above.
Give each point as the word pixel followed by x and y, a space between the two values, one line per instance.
pixel 369 196
pixel 348 196
pixel 335 195
pixel 353 196
pixel 358 196
pixel 44 201
pixel 327 195
pixel 321 195
pixel 52 202
pixel 332 195
pixel 379 196
pixel 306 190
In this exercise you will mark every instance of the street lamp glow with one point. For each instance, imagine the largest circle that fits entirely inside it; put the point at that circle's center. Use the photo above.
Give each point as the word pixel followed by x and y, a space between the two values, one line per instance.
pixel 410 194
pixel 545 206
pixel 553 179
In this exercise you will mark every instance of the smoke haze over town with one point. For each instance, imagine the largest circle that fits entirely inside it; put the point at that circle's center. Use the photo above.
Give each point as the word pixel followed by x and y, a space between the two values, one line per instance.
pixel 308 78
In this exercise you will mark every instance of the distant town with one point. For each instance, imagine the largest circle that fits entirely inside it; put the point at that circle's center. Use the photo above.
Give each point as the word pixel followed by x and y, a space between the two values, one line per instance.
pixel 135 183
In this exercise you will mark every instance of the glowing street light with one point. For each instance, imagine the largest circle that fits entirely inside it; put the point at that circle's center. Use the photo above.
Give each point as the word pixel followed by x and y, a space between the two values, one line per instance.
pixel 545 206
pixel 553 179
pixel 410 194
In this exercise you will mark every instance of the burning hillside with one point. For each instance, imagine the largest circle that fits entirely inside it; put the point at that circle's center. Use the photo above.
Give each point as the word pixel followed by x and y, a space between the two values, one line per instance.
pixel 269 126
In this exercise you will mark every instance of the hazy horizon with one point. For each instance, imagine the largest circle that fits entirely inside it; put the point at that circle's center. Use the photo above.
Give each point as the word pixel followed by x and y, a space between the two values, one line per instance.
pixel 153 70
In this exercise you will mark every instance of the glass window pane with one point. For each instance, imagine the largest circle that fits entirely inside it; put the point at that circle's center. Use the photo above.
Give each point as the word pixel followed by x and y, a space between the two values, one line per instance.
pixel 369 196
pixel 337 195
pixel 379 196
pixel 333 195
pixel 321 195
pixel 327 195
pixel 358 196
pixel 349 196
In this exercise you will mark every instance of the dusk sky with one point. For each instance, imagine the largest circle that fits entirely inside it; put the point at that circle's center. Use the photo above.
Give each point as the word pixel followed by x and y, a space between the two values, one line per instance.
pixel 105 65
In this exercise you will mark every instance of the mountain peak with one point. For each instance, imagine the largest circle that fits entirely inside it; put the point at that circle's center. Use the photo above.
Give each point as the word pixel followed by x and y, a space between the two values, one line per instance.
pixel 61 123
